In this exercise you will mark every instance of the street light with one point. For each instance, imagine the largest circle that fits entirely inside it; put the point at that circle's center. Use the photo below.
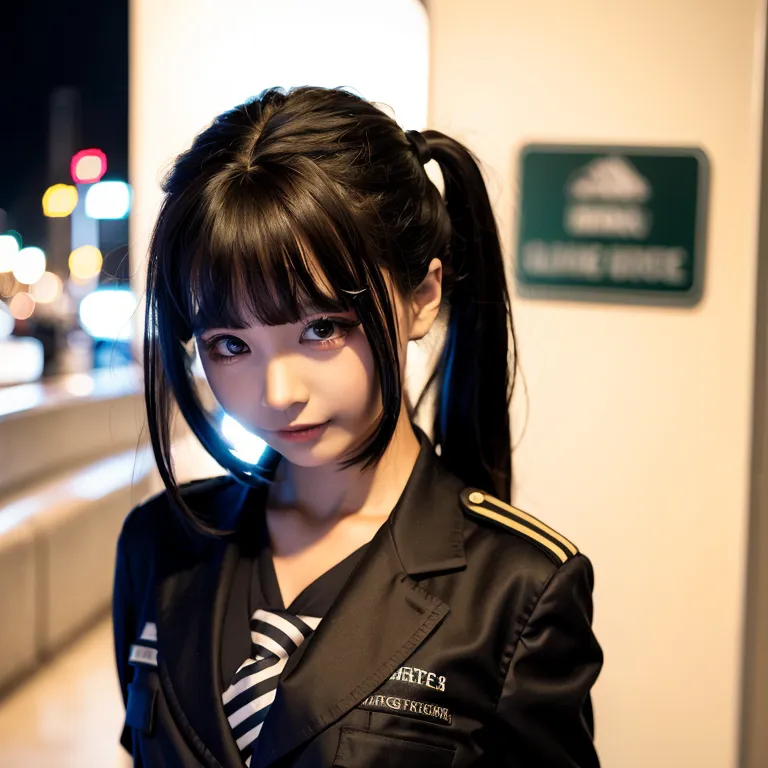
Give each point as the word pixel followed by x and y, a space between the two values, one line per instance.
pixel 85 262
pixel 108 200
pixel 29 265
pixel 47 289
pixel 88 166
pixel 59 200
pixel 9 248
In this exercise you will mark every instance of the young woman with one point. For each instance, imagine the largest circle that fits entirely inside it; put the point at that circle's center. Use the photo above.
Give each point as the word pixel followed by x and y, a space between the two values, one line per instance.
pixel 363 596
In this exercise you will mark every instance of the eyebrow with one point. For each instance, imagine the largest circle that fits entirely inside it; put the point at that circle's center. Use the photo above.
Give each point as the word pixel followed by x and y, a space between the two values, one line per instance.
pixel 199 326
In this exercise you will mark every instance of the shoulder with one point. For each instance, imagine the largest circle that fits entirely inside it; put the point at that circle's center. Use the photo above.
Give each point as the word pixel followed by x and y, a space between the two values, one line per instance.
pixel 156 516
pixel 524 558
pixel 499 515
pixel 506 528
pixel 153 540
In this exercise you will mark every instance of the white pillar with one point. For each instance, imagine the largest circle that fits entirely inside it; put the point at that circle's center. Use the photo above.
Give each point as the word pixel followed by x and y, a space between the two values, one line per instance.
pixel 192 59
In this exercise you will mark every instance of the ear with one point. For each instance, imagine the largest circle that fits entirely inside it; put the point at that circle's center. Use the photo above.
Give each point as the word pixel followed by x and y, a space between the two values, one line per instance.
pixel 425 301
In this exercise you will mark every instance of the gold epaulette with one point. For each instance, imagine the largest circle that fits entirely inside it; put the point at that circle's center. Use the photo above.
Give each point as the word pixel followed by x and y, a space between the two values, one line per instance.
pixel 484 505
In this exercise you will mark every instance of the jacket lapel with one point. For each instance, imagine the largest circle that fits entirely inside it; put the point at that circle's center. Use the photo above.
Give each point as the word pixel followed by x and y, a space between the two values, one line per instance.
pixel 191 602
pixel 345 661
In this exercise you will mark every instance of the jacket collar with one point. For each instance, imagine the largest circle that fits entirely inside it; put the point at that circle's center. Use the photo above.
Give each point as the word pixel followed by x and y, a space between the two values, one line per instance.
pixel 427 522
pixel 423 535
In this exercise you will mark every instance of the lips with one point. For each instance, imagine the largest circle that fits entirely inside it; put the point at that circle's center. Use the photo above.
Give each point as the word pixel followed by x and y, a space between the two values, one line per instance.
pixel 300 428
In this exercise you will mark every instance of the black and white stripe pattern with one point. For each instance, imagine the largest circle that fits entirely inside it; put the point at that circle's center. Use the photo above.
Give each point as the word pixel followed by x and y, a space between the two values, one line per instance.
pixel 275 635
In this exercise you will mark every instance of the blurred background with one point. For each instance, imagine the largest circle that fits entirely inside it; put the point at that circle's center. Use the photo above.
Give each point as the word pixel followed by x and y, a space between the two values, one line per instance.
pixel 63 187
pixel 623 145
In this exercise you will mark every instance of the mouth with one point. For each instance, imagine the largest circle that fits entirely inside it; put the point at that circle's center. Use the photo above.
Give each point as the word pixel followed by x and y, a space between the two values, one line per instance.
pixel 301 431
pixel 301 427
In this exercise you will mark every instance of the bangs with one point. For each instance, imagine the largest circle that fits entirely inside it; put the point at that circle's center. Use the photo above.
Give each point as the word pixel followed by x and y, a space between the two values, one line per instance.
pixel 270 248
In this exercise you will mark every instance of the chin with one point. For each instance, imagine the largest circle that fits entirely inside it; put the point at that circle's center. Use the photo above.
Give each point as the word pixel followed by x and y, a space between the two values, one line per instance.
pixel 308 457
pixel 328 450
pixel 306 461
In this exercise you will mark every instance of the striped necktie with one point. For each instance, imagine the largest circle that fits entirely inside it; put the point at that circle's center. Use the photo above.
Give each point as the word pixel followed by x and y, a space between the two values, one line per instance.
pixel 275 635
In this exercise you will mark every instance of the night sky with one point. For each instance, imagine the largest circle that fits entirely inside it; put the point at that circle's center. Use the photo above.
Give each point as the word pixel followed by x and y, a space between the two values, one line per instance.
pixel 43 46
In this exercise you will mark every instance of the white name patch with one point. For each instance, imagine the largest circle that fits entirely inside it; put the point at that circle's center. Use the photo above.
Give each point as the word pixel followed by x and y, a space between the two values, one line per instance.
pixel 423 710
pixel 141 654
pixel 420 677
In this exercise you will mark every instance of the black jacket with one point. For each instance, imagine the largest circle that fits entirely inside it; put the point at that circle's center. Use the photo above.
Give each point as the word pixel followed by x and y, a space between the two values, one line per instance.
pixel 463 638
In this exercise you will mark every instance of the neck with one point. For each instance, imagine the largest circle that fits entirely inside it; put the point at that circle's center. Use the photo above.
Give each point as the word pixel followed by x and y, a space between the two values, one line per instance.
pixel 323 495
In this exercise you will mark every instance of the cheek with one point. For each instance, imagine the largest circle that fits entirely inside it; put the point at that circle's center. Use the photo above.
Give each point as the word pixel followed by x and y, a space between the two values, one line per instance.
pixel 210 376
pixel 223 383
pixel 349 381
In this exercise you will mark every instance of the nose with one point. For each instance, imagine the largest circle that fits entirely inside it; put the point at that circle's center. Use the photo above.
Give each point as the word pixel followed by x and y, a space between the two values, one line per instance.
pixel 283 386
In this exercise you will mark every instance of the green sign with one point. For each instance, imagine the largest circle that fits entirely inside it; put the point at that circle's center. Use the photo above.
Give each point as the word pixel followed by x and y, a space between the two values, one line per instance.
pixel 604 223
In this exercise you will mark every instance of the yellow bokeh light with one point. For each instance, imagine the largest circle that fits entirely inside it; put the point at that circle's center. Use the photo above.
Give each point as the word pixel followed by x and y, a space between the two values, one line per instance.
pixel 22 306
pixel 85 263
pixel 59 200
pixel 47 289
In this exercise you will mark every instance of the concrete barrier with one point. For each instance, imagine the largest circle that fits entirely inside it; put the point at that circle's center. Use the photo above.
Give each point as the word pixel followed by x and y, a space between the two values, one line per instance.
pixel 74 460
pixel 57 550
pixel 19 650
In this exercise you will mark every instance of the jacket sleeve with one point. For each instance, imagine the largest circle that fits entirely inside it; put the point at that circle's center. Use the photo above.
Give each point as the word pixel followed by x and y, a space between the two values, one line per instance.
pixel 124 625
pixel 545 709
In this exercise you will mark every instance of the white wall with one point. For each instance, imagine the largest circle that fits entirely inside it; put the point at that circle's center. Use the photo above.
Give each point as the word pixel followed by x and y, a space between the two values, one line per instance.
pixel 192 59
pixel 639 418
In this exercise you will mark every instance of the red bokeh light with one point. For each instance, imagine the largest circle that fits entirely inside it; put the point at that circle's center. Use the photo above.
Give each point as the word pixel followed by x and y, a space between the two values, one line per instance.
pixel 88 166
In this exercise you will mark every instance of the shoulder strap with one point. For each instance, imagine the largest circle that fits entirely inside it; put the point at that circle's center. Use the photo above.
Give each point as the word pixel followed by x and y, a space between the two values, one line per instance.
pixel 484 505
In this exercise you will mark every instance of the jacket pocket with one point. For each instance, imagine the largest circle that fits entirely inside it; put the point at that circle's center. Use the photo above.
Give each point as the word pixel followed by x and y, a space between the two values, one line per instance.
pixel 358 749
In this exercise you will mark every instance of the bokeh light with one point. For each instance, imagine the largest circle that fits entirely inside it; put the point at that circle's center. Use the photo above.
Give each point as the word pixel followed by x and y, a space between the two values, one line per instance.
pixel 23 361
pixel 59 200
pixel 6 321
pixel 29 265
pixel 88 166
pixel 85 263
pixel 8 284
pixel 9 248
pixel 108 200
pixel 79 384
pixel 47 289
pixel 22 306
pixel 107 313
pixel 245 445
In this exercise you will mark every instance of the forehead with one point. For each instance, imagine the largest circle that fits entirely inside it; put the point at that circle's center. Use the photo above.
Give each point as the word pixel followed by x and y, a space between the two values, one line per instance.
pixel 282 298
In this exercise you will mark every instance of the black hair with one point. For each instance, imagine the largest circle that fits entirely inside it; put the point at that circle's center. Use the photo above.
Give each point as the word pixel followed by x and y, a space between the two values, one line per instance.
pixel 321 176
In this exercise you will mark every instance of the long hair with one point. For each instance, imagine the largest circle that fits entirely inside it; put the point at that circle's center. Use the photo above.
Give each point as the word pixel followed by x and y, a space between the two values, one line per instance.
pixel 309 177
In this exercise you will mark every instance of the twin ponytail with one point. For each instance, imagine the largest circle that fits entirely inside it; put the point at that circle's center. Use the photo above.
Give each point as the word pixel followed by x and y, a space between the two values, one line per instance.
pixel 476 372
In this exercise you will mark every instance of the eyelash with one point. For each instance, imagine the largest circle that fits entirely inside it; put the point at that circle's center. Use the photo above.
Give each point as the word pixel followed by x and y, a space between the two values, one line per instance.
pixel 344 325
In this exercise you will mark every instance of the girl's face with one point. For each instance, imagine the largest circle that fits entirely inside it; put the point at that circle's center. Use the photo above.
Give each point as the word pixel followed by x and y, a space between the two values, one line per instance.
pixel 317 372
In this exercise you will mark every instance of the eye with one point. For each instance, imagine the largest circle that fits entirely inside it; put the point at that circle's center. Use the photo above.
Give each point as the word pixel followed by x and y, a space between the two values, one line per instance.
pixel 224 348
pixel 327 332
